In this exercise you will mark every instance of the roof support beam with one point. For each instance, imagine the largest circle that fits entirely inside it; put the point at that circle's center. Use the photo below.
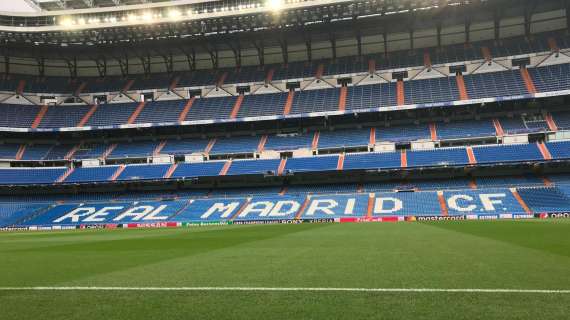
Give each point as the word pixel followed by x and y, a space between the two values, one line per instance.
pixel 7 64
pixel 236 49
pixel 497 23
pixel 332 39
pixel 385 39
pixel 259 46
pixel 359 43
pixel 284 50
pixel 568 14
pixel 411 25
pixel 467 29
pixel 528 12
pixel 438 28
pixel 308 45
pixel 72 66
pixel 190 58
pixel 101 64
pixel 168 62
pixel 41 66
pixel 145 61
pixel 214 55
pixel 123 65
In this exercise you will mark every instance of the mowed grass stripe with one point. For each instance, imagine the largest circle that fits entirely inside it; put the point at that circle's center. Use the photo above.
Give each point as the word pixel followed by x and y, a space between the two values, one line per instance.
pixel 434 270
pixel 277 256
pixel 396 290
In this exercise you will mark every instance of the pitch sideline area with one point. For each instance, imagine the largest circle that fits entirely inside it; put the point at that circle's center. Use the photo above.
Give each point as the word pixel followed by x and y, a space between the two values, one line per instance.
pixel 506 269
pixel 430 290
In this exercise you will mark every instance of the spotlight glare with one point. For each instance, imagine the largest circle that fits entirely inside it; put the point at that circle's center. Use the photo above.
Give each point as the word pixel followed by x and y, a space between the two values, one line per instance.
pixel 174 14
pixel 66 22
pixel 147 16
pixel 275 5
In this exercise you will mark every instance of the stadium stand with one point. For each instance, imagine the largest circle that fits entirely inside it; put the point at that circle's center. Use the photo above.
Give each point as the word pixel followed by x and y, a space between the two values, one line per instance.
pixel 488 201
pixel 331 137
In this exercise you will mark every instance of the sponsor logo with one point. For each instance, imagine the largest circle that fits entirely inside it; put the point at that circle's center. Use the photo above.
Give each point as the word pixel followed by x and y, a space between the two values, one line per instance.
pixel 440 218
pixel 562 215
pixel 523 216
pixel 488 217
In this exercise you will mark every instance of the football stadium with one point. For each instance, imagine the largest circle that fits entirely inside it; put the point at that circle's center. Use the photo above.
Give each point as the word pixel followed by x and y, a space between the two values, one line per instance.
pixel 285 159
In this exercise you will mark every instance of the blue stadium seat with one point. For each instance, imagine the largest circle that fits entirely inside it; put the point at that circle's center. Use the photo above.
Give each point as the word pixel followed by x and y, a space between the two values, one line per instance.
pixel 403 133
pixel 507 153
pixel 235 145
pixel 371 96
pixel 438 157
pixel 144 172
pixel 465 129
pixel 244 167
pixel 494 84
pixel 308 101
pixel 30 175
pixel 434 90
pixel 63 116
pixel 134 149
pixel 166 111
pixel 312 164
pixel 184 146
pixel 91 174
pixel 559 150
pixel 260 105
pixel 389 160
pixel 211 108
pixel 289 141
pixel 205 169
pixel 8 150
pixel 17 116
pixel 112 114
pixel 344 138
pixel 545 200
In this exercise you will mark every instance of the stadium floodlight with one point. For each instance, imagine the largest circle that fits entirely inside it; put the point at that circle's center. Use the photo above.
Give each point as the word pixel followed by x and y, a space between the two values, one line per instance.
pixel 147 16
pixel 67 22
pixel 275 5
pixel 174 14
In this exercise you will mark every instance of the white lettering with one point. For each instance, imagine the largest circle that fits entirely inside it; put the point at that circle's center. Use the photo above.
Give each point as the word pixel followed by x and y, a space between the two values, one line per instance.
pixel 322 205
pixel 136 213
pixel 276 211
pixel 153 215
pixel 452 202
pixel 266 207
pixel 349 209
pixel 379 207
pixel 489 202
pixel 225 209
pixel 75 214
pixel 100 215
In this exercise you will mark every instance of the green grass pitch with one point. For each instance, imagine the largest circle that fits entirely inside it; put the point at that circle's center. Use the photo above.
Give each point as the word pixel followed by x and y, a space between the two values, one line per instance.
pixel 467 255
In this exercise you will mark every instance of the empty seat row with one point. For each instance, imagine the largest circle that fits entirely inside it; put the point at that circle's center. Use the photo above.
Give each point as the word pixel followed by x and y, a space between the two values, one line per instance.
pixel 293 70
pixel 324 139
pixel 362 97
pixel 250 205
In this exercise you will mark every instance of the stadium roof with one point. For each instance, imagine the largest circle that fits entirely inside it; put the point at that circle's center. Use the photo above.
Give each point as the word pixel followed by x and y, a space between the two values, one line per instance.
pixel 52 5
